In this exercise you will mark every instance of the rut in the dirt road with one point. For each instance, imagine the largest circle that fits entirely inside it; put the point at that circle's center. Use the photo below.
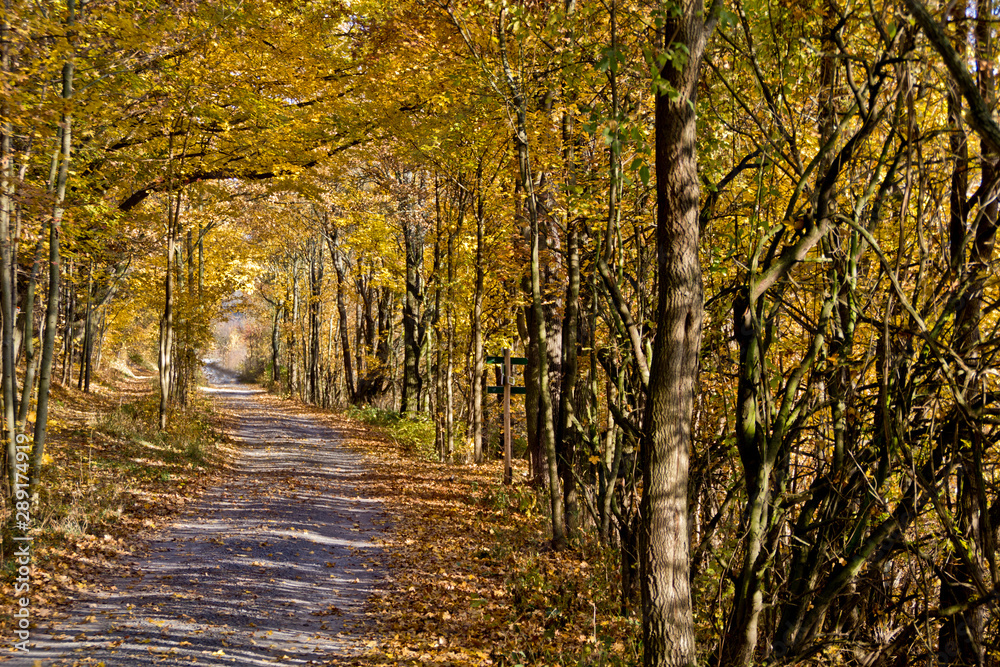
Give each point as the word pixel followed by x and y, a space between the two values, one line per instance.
pixel 273 566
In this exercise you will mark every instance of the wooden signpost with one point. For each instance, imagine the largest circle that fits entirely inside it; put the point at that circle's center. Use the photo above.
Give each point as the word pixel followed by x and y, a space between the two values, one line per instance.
pixel 506 388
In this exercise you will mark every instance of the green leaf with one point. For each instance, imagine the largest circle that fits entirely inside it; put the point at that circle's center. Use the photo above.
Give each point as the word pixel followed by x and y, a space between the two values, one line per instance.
pixel 604 64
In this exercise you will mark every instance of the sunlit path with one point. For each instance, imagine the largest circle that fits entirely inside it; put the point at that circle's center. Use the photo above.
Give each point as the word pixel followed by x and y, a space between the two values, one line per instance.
pixel 271 566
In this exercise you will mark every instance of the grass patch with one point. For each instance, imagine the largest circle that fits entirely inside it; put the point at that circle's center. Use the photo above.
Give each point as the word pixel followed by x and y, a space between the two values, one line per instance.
pixel 413 432
pixel 99 470
pixel 140 361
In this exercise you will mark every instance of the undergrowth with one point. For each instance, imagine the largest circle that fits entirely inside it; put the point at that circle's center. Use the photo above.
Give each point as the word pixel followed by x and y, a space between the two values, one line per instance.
pixel 120 454
pixel 412 431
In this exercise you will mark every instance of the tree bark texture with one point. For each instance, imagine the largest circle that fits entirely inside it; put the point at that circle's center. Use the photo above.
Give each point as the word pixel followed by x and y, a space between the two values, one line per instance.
pixel 668 624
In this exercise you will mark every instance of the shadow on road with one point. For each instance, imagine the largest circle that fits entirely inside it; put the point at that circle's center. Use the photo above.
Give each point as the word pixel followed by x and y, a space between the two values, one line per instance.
pixel 272 566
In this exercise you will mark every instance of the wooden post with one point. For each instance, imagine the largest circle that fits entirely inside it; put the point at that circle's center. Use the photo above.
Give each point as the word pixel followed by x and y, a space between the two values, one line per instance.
pixel 508 476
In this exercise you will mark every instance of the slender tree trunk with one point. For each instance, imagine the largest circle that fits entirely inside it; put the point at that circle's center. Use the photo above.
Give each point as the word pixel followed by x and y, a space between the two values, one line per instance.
pixel 292 341
pixel 70 311
pixel 477 329
pixel 30 356
pixel 102 329
pixel 6 297
pixel 86 327
pixel 316 286
pixel 449 409
pixel 276 347
pixel 52 306
pixel 167 324
pixel 437 370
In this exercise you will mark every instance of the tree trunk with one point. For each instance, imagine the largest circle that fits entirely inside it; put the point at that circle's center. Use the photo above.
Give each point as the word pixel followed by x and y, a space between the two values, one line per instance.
pixel 961 637
pixel 413 323
pixel 52 306
pixel 30 354
pixel 315 287
pixel 449 408
pixel 292 343
pixel 567 436
pixel 276 347
pixel 477 328
pixel 6 298
pixel 165 356
pixel 70 313
pixel 668 624
pixel 339 265
pixel 84 357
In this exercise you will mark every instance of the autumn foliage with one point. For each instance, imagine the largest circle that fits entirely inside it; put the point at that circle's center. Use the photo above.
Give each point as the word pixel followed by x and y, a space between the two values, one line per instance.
pixel 746 251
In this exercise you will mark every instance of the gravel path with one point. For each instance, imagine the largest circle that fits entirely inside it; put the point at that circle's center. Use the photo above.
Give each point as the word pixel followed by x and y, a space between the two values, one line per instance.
pixel 268 568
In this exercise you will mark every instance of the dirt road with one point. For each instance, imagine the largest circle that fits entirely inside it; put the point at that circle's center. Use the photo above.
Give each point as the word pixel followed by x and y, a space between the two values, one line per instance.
pixel 269 568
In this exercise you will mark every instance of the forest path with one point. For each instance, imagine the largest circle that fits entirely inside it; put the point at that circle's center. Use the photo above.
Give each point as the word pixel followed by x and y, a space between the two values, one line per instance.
pixel 270 567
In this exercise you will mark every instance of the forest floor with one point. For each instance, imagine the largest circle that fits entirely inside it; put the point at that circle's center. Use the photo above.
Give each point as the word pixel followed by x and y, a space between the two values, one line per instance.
pixel 262 548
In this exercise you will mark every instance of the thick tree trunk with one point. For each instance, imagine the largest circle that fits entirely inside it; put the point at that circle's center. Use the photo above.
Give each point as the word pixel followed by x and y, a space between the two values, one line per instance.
pixel 668 624
pixel 567 435
pixel 167 344
pixel 339 265
pixel 532 399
